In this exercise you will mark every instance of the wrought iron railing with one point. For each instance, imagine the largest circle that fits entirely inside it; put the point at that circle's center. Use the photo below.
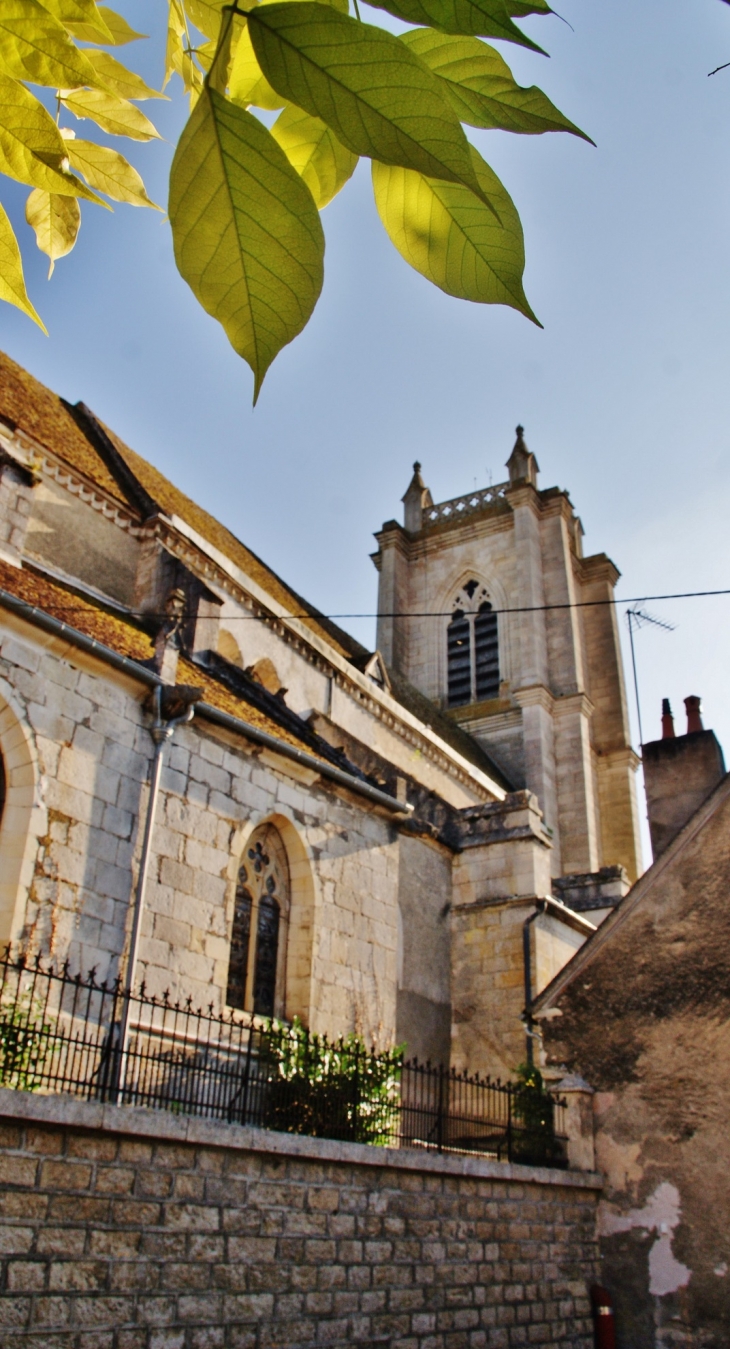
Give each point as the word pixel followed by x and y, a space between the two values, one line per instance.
pixel 60 1033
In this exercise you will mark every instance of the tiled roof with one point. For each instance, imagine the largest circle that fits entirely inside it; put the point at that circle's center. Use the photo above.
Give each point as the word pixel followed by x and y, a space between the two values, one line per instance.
pixel 29 405
pixel 127 639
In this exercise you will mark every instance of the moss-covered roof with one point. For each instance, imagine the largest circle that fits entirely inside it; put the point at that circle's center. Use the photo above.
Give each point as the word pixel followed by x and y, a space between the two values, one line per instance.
pixel 27 404
pixel 127 639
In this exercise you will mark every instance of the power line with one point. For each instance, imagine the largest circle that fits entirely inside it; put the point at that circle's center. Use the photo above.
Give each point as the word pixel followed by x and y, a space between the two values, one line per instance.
pixel 419 613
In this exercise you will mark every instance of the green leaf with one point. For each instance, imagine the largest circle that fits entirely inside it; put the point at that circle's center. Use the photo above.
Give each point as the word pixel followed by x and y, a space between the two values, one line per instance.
pixel 80 13
pixel 519 9
pixel 112 114
pixel 12 283
pixel 56 221
pixel 114 76
pixel 31 147
pixel 108 171
pixel 481 87
pixel 247 83
pixel 35 47
pixel 475 18
pixel 247 235
pixel 315 152
pixel 447 234
pixel 353 76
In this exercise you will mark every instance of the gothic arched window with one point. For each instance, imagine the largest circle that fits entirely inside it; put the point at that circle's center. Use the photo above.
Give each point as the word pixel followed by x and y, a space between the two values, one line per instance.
pixel 262 901
pixel 472 648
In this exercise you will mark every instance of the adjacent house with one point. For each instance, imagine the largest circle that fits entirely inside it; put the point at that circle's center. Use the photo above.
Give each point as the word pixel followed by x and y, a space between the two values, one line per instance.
pixel 642 1014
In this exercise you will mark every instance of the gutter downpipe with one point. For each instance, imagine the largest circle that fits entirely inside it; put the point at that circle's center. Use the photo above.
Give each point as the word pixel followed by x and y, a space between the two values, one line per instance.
pixel 527 974
pixel 32 614
pixel 162 732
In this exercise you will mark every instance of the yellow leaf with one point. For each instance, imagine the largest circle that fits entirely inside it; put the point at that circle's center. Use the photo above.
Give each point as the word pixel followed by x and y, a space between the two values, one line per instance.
pixel 115 25
pixel 56 221
pixel 108 171
pixel 247 83
pixel 112 114
pixel 114 76
pixel 449 235
pixel 80 13
pixel 31 147
pixel 35 47
pixel 12 283
pixel 315 152
pixel 206 15
pixel 247 236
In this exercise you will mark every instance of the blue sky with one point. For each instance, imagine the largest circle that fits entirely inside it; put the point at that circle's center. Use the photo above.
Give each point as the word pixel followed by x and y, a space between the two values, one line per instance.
pixel 624 394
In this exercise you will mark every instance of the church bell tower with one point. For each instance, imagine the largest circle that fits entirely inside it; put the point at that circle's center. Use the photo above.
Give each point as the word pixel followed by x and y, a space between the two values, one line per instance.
pixel 478 608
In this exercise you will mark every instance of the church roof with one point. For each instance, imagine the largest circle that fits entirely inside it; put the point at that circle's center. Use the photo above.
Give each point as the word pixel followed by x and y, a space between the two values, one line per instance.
pixel 27 404
pixel 128 638
pixel 94 452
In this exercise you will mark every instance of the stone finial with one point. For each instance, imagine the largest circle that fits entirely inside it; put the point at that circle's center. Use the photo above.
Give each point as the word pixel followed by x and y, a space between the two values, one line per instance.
pixel 168 642
pixel 522 464
pixel 416 500
pixel 668 732
pixel 693 707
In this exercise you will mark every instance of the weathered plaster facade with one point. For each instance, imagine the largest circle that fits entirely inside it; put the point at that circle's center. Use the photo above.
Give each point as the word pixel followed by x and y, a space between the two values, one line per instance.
pixel 642 1013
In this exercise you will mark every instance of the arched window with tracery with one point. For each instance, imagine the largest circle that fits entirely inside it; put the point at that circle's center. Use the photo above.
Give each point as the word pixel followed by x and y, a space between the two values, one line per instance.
pixel 472 648
pixel 255 968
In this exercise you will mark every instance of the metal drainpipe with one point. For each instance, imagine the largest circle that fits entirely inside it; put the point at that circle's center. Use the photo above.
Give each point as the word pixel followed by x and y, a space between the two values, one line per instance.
pixel 527 968
pixel 161 732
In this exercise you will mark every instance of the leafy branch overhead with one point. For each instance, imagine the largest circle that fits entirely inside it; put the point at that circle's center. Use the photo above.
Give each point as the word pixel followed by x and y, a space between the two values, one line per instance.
pixel 245 198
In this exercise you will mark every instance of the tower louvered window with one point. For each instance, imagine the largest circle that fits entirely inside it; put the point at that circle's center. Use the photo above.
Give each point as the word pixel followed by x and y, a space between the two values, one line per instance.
pixel 262 896
pixel 486 653
pixel 472 648
pixel 459 658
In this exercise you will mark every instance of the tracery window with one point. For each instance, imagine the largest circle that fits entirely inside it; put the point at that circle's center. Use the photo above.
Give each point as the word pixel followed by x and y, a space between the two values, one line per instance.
pixel 472 648
pixel 261 906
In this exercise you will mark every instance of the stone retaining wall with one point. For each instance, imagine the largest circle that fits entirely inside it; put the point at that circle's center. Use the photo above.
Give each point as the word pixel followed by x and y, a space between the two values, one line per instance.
pixel 131 1229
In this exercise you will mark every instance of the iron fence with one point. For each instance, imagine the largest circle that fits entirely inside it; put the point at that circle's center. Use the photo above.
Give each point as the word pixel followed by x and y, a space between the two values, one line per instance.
pixel 61 1033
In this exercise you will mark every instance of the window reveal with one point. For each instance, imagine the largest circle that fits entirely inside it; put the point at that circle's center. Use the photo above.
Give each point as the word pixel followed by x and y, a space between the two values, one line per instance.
pixel 262 894
pixel 472 648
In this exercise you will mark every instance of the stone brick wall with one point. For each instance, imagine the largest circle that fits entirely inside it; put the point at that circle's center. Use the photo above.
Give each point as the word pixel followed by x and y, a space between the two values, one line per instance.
pixel 123 1229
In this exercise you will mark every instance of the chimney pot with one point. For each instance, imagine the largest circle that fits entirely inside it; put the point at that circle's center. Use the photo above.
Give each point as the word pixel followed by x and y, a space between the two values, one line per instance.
pixel 693 704
pixel 668 731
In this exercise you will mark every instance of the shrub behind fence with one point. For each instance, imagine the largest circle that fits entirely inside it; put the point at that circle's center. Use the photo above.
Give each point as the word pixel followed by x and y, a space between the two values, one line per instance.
pixel 61 1033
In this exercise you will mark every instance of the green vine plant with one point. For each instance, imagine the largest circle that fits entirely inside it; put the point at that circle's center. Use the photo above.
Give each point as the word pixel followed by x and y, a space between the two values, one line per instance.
pixel 27 1037
pixel 245 200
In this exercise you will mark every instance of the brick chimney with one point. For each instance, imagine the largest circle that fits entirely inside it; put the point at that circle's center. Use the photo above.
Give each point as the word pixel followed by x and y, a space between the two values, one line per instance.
pixel 680 772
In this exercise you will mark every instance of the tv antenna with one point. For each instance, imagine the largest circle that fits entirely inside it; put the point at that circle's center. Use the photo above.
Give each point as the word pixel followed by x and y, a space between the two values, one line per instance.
pixel 639 618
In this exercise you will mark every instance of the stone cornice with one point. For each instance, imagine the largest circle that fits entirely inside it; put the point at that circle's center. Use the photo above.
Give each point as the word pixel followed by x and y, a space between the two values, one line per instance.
pixel 35 458
pixel 624 757
pixel 597 567
pixel 535 695
pixel 573 702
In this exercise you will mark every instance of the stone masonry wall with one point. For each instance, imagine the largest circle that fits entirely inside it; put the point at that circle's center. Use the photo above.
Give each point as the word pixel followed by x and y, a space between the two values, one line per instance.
pixel 125 1229
pixel 91 755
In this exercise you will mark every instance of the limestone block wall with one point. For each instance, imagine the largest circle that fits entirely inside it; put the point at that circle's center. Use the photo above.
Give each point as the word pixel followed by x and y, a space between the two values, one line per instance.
pixel 125 1229
pixel 80 794
pixel 423 1021
pixel 15 508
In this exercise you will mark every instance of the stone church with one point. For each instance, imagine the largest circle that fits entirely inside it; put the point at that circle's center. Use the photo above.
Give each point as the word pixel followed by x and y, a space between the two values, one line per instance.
pixel 408 843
